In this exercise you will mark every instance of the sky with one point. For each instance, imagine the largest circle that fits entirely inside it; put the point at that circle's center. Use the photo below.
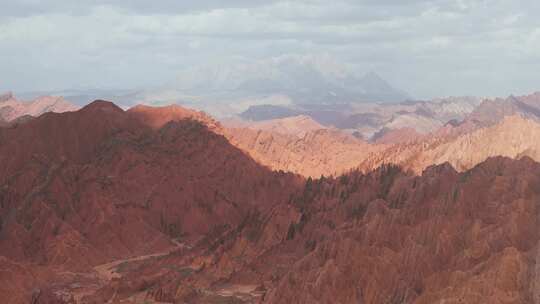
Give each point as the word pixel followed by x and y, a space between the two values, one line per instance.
pixel 429 48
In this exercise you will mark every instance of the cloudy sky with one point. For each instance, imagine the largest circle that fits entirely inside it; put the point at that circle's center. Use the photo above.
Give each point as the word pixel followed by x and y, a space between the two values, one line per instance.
pixel 426 47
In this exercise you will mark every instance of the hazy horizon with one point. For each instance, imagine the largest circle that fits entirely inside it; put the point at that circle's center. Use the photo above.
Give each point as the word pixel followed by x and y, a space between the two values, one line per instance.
pixel 425 48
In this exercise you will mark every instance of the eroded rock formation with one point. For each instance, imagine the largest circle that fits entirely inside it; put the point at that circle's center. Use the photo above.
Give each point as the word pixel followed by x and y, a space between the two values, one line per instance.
pixel 84 188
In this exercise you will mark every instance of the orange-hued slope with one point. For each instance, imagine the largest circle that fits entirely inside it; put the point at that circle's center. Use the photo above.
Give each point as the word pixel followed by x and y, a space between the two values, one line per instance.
pixel 316 152
pixel 295 125
pixel 513 137
pixel 321 152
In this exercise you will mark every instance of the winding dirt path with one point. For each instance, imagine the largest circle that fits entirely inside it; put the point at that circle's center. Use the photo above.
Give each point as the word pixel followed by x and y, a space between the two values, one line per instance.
pixel 108 271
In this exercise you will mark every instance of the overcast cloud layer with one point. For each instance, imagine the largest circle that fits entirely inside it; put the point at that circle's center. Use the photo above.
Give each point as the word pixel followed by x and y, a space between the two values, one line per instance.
pixel 426 47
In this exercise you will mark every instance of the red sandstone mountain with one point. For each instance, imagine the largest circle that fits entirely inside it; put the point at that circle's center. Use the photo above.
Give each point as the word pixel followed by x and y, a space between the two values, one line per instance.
pixel 156 117
pixel 513 137
pixel 11 108
pixel 383 237
pixel 299 144
pixel 321 152
pixel 84 188
pixel 332 152
pixel 295 144
pixel 439 238
pixel 150 205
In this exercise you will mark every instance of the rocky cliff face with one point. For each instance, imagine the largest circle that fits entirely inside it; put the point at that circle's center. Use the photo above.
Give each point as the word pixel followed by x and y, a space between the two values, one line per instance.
pixel 443 237
pixel 330 152
pixel 321 152
pixel 84 188
pixel 156 205
pixel 157 117
pixel 286 145
pixel 382 237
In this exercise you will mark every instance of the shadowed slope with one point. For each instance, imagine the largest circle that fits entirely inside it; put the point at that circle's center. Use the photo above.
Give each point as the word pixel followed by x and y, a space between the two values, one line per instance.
pixel 382 237
pixel 81 189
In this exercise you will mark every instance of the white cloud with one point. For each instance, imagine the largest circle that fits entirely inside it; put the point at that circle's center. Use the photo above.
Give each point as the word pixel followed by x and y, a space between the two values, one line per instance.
pixel 423 46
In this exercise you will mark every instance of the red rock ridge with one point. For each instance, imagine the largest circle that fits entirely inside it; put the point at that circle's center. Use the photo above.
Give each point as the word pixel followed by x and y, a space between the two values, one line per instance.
pixel 321 152
pixel 311 152
pixel 513 137
pixel 83 188
pixel 382 237
pixel 157 117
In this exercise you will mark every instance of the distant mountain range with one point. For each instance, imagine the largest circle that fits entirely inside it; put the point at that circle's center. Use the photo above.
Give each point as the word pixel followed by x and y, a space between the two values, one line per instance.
pixel 166 205
pixel 370 119
pixel 303 79
pixel 231 88
pixel 12 108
